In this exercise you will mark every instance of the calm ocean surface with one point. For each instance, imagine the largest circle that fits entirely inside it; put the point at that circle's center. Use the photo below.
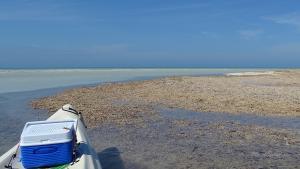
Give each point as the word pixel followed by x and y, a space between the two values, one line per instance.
pixel 33 79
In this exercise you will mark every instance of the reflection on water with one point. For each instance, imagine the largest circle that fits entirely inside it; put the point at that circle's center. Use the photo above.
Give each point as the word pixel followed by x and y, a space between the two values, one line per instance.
pixel 248 119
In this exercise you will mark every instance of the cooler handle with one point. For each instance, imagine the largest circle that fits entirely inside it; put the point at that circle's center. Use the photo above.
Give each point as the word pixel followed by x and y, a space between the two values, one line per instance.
pixel 45 150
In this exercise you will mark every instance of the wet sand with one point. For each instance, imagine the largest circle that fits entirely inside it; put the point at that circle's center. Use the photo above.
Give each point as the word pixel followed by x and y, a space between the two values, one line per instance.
pixel 135 126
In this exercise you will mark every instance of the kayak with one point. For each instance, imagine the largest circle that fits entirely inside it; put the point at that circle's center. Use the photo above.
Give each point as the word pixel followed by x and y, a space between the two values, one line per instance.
pixel 87 158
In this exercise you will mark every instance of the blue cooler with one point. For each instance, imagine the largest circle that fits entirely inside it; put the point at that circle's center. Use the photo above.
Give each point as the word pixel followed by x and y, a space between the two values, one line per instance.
pixel 47 143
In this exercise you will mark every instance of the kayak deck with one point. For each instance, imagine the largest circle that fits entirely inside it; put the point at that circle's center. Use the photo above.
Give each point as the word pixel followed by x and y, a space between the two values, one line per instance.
pixel 86 156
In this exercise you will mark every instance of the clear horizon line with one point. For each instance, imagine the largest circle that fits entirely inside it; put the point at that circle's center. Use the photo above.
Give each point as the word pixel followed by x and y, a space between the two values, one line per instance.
pixel 53 68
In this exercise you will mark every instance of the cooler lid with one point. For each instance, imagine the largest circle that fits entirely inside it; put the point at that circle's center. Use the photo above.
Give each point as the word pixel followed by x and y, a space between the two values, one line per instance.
pixel 47 132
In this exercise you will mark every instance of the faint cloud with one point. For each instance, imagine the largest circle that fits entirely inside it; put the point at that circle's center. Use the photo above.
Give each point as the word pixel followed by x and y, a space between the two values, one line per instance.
pixel 289 48
pixel 290 18
pixel 209 34
pixel 33 16
pixel 108 48
pixel 178 7
pixel 35 45
pixel 40 11
pixel 250 33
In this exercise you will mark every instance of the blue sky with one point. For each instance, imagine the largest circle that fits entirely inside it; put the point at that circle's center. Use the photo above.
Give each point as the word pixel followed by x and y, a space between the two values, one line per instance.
pixel 149 33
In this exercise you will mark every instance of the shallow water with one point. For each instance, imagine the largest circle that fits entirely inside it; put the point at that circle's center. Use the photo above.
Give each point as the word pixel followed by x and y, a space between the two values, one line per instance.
pixel 199 140
pixel 245 119
pixel 33 79
pixel 200 143
pixel 160 144
pixel 15 111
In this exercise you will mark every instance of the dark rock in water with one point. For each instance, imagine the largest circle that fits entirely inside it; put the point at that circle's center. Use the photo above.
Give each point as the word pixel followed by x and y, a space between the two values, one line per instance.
pixel 110 158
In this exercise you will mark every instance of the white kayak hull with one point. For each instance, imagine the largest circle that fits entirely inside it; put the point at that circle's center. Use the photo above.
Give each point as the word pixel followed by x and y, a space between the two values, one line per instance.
pixel 88 158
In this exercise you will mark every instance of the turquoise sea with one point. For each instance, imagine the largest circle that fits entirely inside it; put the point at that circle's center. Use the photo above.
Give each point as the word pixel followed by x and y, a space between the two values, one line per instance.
pixel 16 80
